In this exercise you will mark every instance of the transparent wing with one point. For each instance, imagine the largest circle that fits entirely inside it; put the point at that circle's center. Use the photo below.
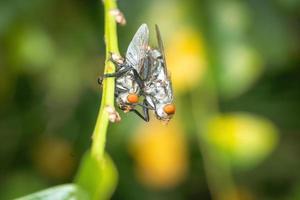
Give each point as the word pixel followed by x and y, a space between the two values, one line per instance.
pixel 171 88
pixel 161 47
pixel 137 49
pixel 162 51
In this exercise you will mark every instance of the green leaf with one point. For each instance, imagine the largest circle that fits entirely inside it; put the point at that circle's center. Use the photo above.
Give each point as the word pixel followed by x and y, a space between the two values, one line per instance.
pixel 97 177
pixel 62 192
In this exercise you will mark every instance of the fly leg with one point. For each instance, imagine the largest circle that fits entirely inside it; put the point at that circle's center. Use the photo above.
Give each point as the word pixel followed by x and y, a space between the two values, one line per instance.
pixel 145 117
pixel 116 75
pixel 146 105
pixel 137 78
pixel 119 63
pixel 146 113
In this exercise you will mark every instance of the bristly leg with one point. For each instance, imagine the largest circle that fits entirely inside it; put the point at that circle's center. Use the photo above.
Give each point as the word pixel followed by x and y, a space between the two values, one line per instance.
pixel 145 104
pixel 146 113
pixel 117 60
pixel 116 75
pixel 146 107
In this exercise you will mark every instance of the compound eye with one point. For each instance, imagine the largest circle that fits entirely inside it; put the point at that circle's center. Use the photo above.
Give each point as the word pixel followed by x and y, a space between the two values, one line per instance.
pixel 169 109
pixel 132 98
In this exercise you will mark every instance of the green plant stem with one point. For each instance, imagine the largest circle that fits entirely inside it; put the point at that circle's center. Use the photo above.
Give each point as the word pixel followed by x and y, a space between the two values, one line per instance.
pixel 111 40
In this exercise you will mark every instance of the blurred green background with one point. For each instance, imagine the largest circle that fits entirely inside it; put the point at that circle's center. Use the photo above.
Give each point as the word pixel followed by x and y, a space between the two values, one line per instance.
pixel 236 76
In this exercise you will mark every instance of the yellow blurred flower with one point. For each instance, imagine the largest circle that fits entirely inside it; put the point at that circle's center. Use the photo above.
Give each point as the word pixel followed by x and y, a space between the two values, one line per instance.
pixel 54 158
pixel 186 58
pixel 244 138
pixel 184 45
pixel 160 154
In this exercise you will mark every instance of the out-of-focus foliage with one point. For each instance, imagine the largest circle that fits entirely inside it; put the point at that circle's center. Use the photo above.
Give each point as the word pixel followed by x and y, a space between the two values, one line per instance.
pixel 243 138
pixel 58 154
pixel 238 60
pixel 235 71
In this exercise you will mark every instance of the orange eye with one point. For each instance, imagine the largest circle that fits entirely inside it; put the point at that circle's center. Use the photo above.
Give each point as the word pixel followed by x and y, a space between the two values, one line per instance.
pixel 169 109
pixel 132 98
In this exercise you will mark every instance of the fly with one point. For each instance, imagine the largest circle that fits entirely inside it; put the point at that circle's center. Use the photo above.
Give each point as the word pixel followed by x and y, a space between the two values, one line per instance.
pixel 157 88
pixel 130 73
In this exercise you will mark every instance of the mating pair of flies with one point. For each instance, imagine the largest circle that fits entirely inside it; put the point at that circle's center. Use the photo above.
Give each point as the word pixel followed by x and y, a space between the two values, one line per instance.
pixel 143 73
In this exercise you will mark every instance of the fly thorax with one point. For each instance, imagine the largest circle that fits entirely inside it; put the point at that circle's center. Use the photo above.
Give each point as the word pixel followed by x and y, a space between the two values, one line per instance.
pixel 161 75
pixel 120 80
pixel 126 81
pixel 149 88
pixel 156 54
pixel 160 93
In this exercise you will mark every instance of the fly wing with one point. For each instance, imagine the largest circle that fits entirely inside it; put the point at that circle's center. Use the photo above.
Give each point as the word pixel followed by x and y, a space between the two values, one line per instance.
pixel 137 49
pixel 171 88
pixel 161 47
pixel 162 51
